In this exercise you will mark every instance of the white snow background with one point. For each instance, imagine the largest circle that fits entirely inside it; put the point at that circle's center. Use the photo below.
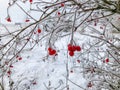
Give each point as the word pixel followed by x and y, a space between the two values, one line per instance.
pixel 32 68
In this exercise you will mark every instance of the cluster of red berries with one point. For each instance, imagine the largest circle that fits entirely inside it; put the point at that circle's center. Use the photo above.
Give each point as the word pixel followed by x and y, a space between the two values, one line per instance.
pixel 51 51
pixel 72 49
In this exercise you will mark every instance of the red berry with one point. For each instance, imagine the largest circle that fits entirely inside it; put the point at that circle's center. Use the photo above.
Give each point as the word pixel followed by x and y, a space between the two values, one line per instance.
pixel 8 19
pixel 30 1
pixel 52 52
pixel 78 61
pixel 58 13
pixel 69 45
pixel 39 30
pixel 70 48
pixel 107 60
pixel 11 66
pixel 78 48
pixel 49 49
pixel 73 48
pixel 27 20
pixel 20 58
pixel 71 53
pixel 9 72
pixel 62 4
